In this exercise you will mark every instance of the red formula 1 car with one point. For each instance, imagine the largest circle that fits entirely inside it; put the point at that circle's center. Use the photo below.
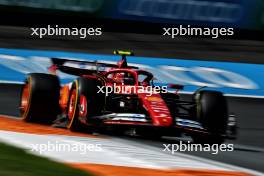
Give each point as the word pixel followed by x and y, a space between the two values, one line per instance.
pixel 123 97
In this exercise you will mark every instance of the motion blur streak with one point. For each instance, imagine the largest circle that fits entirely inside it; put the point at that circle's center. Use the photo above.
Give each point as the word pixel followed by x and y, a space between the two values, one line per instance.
pixel 184 10
pixel 131 171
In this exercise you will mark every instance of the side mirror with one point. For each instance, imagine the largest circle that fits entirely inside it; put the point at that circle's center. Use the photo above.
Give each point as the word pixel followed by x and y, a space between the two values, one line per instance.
pixel 176 86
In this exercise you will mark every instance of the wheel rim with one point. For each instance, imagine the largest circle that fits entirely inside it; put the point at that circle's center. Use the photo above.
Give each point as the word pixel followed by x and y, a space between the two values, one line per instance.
pixel 83 106
pixel 71 110
pixel 25 98
pixel 72 106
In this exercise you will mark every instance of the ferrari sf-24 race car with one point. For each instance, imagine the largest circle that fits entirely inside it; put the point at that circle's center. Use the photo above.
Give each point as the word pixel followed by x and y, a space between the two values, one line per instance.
pixel 85 103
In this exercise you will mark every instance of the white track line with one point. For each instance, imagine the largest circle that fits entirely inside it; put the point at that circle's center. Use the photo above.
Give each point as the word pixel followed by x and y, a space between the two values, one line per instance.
pixel 204 160
pixel 227 95
pixel 11 82
pixel 116 152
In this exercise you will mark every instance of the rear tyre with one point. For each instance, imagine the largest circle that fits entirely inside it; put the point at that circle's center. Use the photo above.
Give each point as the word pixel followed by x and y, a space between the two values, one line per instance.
pixel 40 98
pixel 212 113
pixel 84 89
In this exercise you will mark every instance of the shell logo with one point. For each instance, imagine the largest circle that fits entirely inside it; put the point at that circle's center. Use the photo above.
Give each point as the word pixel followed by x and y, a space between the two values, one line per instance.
pixel 157 99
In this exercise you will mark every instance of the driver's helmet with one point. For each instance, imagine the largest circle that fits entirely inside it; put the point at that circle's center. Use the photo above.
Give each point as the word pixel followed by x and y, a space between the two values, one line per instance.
pixel 119 78
pixel 125 78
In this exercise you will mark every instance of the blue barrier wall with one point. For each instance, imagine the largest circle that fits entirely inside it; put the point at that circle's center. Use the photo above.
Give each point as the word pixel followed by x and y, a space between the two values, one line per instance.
pixel 235 79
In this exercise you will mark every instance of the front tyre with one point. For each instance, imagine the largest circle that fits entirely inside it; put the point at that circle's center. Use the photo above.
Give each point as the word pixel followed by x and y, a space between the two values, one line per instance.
pixel 212 113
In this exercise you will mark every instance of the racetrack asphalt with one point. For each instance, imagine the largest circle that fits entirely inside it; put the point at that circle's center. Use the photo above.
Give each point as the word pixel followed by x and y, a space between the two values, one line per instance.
pixel 249 147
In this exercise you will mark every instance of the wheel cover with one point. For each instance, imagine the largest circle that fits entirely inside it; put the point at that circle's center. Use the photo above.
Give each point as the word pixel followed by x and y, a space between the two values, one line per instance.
pixel 25 98
pixel 83 106
pixel 72 105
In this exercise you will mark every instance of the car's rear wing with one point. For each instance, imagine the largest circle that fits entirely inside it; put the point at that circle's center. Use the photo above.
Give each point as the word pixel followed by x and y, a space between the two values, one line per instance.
pixel 61 62
pixel 61 65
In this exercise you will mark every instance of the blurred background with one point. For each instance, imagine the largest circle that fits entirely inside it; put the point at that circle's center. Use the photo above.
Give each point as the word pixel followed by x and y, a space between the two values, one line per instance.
pixel 138 15
pixel 137 25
